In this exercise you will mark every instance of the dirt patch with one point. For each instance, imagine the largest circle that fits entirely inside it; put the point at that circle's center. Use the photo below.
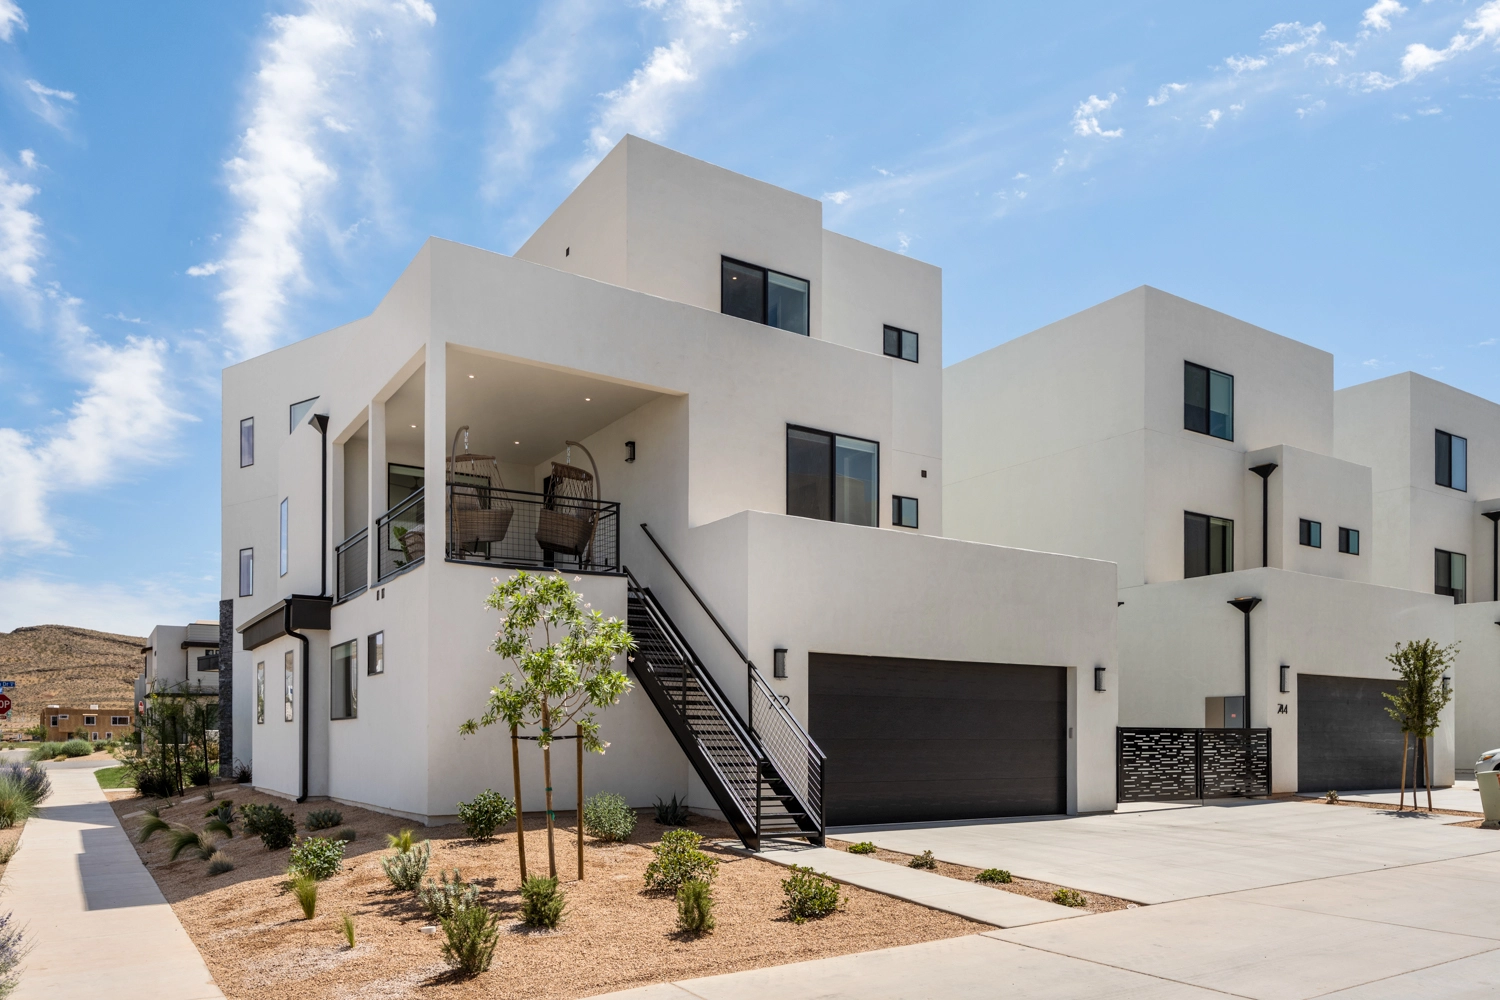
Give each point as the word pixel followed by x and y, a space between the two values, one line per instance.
pixel 615 935
pixel 1384 807
pixel 1097 902
pixel 8 844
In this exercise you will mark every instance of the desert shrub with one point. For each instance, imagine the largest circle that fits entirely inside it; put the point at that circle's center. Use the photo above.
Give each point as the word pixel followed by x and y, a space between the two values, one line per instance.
pixel 16 804
pixel 219 864
pixel 208 795
pixel 201 844
pixel 993 875
pixel 12 950
pixel 402 841
pixel 542 902
pixel 672 813
pixel 322 819
pixel 154 824
pixel 678 860
pixel 242 773
pixel 863 847
pixel 46 751
pixel 346 926
pixel 1331 796
pixel 924 860
pixel 274 827
pixel 305 888
pixel 199 775
pixel 470 936
pixel 348 835
pixel 608 817
pixel 317 856
pixel 695 906
pixel 223 811
pixel 485 813
pixel 442 899
pixel 76 748
pixel 33 778
pixel 150 781
pixel 808 894
pixel 406 868
pixel 1070 897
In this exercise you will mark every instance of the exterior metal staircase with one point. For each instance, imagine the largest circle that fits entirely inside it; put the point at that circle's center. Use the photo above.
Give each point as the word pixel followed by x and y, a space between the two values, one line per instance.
pixel 766 776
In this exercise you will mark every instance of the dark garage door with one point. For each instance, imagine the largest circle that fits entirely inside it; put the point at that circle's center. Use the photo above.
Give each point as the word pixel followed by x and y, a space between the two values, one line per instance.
pixel 1345 739
pixel 918 740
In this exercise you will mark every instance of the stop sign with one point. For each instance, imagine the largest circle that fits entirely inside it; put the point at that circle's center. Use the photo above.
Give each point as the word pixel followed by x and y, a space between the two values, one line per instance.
pixel 4 703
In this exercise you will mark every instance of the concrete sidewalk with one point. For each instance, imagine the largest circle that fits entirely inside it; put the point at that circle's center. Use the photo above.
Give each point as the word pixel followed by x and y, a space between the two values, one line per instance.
pixel 94 919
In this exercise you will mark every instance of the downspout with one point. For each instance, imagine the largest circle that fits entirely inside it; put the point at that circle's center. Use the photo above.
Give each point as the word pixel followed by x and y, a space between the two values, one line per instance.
pixel 1264 472
pixel 286 622
pixel 320 420
pixel 1494 516
pixel 1246 605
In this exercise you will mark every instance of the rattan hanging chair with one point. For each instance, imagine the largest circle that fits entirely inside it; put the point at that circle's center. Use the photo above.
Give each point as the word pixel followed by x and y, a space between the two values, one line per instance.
pixel 570 514
pixel 481 514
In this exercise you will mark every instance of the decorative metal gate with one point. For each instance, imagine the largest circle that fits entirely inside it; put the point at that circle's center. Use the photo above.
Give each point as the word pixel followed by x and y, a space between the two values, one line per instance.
pixel 1159 763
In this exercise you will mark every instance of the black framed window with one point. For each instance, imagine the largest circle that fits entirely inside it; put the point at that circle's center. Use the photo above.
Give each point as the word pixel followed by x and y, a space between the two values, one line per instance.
pixel 1207 545
pixel 1310 533
pixel 900 344
pixel 1349 541
pixel 904 512
pixel 764 296
pixel 343 676
pixel 247 442
pixel 1452 461
pixel 297 411
pixel 247 572
pixel 832 477
pixel 1450 574
pixel 1207 401
pixel 375 662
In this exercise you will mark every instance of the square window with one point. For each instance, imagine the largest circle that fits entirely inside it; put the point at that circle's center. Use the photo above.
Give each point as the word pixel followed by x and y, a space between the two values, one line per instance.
pixel 109 736
pixel 1208 401
pixel 904 512
pixel 1349 541
pixel 750 292
pixel 289 663
pixel 1207 545
pixel 1450 574
pixel 1452 461
pixel 832 477
pixel 90 720
pixel 247 442
pixel 375 663
pixel 900 344
pixel 343 673
pixel 247 572
pixel 1310 533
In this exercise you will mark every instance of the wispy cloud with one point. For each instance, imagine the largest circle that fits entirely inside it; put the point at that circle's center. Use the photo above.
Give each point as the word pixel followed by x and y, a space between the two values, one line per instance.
pixel 331 73
pixel 12 19
pixel 1164 95
pixel 1378 15
pixel 1086 117
pixel 837 197
pixel 1246 64
pixel 50 104
pixel 20 243
pixel 38 599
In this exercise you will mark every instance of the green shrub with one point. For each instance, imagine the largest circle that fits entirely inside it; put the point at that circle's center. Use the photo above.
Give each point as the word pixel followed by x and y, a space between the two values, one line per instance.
pixel 32 778
pixel 8 851
pixel 46 751
pixel 695 907
pixel 486 813
pixel 678 860
pixel 319 857
pixel 443 898
pixel 608 817
pixel 406 868
pixel 863 847
pixel 305 888
pixel 346 925
pixel 322 819
pixel 542 902
pixel 153 824
pixel 198 775
pixel 1070 897
pixel 16 803
pixel 275 828
pixel 402 841
pixel 76 748
pixel 201 844
pixel 348 835
pixel 219 864
pixel 470 936
pixel 993 875
pixel 924 860
pixel 809 895
pixel 1331 796
pixel 223 811
pixel 672 813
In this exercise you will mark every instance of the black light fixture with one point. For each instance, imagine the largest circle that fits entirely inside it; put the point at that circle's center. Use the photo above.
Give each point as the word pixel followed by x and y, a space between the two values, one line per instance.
pixel 630 451
pixel 1245 605
pixel 778 663
pixel 1098 678
pixel 1264 472
pixel 1286 673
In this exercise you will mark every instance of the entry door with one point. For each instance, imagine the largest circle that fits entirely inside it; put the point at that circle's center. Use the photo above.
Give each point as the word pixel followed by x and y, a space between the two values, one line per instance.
pixel 919 740
pixel 1345 738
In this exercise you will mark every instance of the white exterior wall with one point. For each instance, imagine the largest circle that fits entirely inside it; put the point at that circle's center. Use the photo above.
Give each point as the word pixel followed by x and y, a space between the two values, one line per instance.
pixel 1330 491
pixel 1476 682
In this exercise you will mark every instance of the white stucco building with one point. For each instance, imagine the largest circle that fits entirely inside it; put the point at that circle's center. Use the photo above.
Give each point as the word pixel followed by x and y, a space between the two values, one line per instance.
pixel 180 659
pixel 1213 460
pixel 686 348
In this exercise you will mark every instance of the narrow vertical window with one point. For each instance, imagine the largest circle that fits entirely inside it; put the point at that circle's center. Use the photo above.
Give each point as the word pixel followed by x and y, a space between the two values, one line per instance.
pixel 786 303
pixel 809 474
pixel 742 291
pixel 1452 461
pixel 375 662
pixel 1310 533
pixel 1451 572
pixel 260 692
pixel 1349 541
pixel 289 674
pixel 343 674
pixel 1207 401
pixel 1207 545
pixel 247 442
pixel 904 512
pixel 900 344
pixel 856 497
pixel 284 527
pixel 247 572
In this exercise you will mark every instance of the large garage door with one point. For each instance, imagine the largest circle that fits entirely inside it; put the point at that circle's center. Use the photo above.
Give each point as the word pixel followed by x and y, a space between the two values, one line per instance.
pixel 1345 738
pixel 917 740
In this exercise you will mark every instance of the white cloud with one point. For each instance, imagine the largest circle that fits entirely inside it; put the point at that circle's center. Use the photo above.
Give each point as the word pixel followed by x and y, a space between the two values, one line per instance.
pixel 1165 94
pixel 28 159
pixel 11 18
pixel 1297 36
pixel 20 243
pixel 323 74
pixel 34 599
pixel 1312 108
pixel 837 197
pixel 1430 111
pixel 41 91
pixel 705 31
pixel 1487 343
pixel 45 100
pixel 1086 117
pixel 1378 16
pixel 1371 363
pixel 123 318
pixel 1420 58
pixel 1212 118
pixel 1244 64
pixel 1021 177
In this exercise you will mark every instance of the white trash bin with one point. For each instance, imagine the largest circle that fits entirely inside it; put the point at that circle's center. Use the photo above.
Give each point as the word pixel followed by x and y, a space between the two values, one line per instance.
pixel 1489 797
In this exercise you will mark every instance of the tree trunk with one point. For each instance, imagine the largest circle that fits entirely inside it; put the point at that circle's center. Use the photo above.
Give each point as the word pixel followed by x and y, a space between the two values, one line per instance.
pixel 547 777
pixel 578 738
pixel 1405 748
pixel 515 769
pixel 1427 771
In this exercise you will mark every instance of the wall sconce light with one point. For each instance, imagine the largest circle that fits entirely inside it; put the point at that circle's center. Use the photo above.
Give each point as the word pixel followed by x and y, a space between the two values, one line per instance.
pixel 1098 678
pixel 630 451
pixel 778 663
pixel 1286 677
pixel 1447 684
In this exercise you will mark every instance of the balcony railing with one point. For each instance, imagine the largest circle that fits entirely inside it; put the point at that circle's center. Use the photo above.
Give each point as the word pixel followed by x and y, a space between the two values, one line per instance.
pixel 401 534
pixel 351 565
pixel 502 527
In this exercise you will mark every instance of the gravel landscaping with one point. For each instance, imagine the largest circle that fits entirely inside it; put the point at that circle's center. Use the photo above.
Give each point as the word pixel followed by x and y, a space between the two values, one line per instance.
pixel 614 934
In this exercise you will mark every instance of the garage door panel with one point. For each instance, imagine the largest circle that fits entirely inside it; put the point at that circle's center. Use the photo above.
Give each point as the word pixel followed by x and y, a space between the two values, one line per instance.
pixel 920 801
pixel 984 759
pixel 866 718
pixel 1345 738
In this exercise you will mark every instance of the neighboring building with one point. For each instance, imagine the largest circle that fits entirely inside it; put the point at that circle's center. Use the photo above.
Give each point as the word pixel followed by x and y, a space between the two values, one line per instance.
pixel 180 659
pixel 94 722
pixel 1208 458
pixel 686 348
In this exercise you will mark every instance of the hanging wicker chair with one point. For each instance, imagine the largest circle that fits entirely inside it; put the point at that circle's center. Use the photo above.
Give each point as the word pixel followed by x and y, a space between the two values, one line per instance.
pixel 570 513
pixel 479 516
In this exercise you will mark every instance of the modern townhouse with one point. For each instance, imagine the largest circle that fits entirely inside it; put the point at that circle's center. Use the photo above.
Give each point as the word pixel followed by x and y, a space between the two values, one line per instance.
pixel 180 659
pixel 1258 554
pixel 724 424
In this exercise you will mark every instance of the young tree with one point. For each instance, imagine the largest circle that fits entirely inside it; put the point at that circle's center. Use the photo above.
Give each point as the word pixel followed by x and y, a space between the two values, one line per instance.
pixel 560 681
pixel 1418 701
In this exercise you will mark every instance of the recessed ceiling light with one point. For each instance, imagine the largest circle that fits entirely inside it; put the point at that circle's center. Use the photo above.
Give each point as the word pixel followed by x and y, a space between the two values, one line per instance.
pixel 413 426
pixel 518 442
pixel 586 399
pixel 471 376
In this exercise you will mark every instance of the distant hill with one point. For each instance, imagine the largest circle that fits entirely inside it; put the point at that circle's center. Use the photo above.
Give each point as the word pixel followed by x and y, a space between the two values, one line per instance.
pixel 63 665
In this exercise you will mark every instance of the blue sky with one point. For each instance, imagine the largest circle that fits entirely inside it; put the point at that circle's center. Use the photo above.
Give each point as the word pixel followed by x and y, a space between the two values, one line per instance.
pixel 185 184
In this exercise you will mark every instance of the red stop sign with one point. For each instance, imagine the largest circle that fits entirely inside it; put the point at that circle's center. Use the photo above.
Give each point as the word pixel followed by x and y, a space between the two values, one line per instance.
pixel 4 703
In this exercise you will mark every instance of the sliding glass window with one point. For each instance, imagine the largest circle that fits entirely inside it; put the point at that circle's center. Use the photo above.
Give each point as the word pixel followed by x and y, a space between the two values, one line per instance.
pixel 1452 461
pixel 1207 401
pixel 832 477
pixel 764 296
pixel 1451 575
pixel 1207 545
